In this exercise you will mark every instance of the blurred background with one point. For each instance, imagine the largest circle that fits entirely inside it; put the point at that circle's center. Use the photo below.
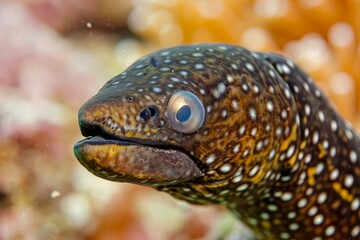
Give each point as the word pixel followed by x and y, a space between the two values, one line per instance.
pixel 54 55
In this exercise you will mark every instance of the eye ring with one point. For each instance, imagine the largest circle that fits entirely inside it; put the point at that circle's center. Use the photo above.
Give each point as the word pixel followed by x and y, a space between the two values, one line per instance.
pixel 185 112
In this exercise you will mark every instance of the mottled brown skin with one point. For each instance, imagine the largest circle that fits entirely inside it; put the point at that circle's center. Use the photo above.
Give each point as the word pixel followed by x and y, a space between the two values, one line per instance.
pixel 271 149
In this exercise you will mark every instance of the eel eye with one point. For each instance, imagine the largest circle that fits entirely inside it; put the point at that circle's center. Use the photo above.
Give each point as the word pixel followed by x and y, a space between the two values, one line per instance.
pixel 185 112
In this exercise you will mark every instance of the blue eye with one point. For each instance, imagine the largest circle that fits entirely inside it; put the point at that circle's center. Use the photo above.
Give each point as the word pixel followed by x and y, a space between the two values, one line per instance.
pixel 185 112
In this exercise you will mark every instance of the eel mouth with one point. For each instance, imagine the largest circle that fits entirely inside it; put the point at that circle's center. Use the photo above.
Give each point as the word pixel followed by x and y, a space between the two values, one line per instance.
pixel 137 161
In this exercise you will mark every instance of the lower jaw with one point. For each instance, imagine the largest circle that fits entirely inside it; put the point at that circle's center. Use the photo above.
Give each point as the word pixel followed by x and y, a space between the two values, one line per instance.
pixel 123 161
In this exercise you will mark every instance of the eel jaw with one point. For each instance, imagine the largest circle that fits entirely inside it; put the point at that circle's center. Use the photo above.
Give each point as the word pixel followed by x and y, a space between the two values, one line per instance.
pixel 134 160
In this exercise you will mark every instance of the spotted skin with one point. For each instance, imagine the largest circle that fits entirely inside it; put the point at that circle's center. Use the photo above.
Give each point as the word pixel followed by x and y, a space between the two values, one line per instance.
pixel 272 148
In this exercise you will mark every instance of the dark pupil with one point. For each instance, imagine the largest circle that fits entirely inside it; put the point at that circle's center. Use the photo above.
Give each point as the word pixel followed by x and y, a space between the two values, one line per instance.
pixel 183 114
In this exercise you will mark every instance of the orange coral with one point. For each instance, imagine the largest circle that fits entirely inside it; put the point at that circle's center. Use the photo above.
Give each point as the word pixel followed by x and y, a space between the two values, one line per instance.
pixel 321 36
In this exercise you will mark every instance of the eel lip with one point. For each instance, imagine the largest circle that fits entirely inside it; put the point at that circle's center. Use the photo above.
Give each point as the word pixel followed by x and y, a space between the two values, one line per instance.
pixel 125 160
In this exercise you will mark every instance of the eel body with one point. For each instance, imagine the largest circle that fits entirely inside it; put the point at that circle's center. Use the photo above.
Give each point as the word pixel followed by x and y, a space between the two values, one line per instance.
pixel 219 124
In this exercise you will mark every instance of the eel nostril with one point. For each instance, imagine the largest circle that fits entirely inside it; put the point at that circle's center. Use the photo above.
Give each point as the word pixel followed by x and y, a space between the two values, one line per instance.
pixel 154 111
pixel 145 114
pixel 149 112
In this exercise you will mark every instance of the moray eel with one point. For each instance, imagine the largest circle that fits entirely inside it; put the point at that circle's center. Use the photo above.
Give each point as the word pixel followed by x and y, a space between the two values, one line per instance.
pixel 219 124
